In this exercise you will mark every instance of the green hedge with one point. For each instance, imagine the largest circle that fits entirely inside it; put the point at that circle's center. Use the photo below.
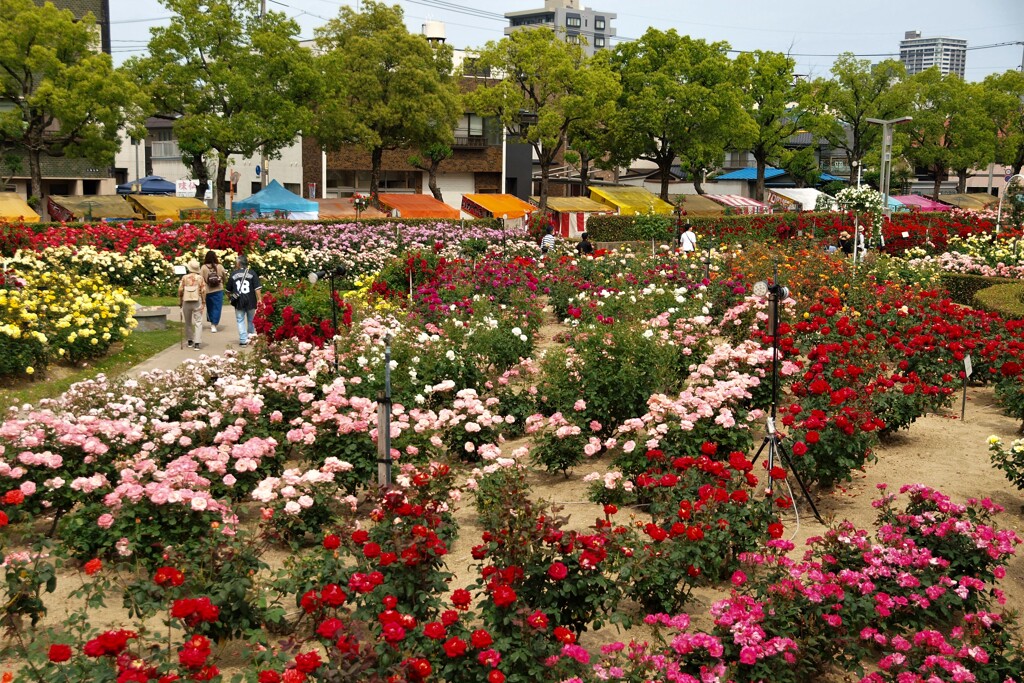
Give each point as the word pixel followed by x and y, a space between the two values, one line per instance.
pixel 962 287
pixel 1007 299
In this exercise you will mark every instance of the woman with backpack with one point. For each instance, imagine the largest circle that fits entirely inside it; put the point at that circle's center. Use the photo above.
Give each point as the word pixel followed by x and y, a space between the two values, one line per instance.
pixel 192 299
pixel 213 275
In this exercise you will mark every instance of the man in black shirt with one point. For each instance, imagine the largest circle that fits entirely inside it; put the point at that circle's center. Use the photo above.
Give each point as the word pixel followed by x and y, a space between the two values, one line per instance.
pixel 244 289
pixel 585 246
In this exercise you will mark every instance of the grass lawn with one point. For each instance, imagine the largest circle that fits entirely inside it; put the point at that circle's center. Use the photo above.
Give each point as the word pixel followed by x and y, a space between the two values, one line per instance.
pixel 156 300
pixel 122 357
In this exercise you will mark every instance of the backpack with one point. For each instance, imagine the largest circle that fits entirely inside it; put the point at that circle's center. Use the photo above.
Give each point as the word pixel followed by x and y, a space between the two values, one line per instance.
pixel 190 290
pixel 213 277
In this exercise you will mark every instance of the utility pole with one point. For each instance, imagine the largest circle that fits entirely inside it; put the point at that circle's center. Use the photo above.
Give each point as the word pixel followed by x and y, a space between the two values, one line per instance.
pixel 263 149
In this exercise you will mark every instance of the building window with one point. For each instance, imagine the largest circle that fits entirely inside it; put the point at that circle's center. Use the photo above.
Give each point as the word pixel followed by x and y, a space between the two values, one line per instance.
pixel 599 23
pixel 573 21
pixel 573 38
pixel 598 41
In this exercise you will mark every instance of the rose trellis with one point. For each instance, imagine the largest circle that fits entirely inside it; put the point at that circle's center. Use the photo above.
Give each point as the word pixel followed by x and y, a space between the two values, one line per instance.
pixel 863 201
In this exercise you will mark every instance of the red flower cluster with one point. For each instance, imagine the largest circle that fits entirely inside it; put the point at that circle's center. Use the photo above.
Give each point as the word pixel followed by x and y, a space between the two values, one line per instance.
pixel 109 643
pixel 168 576
pixel 195 611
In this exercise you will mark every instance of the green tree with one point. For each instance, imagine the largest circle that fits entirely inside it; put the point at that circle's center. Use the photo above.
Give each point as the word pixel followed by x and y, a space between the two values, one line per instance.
pixel 802 165
pixel 549 77
pixel 385 87
pixel 234 81
pixel 857 91
pixel 951 130
pixel 63 97
pixel 429 159
pixel 679 100
pixel 775 101
pixel 1004 97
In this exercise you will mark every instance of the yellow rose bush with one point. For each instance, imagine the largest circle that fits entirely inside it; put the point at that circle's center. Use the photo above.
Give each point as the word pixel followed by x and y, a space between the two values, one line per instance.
pixel 54 314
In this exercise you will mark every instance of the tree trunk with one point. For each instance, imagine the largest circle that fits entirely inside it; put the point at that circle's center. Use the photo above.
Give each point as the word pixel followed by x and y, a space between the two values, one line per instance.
pixel 585 173
pixel 698 180
pixel 218 193
pixel 202 176
pixel 35 168
pixel 545 175
pixel 376 156
pixel 937 187
pixel 961 181
pixel 759 185
pixel 432 181
pixel 665 166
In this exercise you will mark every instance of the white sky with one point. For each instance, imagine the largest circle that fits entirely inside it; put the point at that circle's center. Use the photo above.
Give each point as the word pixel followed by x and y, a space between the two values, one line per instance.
pixel 813 31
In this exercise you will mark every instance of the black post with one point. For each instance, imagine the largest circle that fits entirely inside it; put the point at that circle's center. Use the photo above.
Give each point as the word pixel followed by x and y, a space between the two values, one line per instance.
pixel 334 324
pixel 386 460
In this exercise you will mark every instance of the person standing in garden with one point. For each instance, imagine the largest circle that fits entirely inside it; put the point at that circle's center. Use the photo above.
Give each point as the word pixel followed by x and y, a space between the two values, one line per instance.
pixel 244 290
pixel 688 240
pixel 585 247
pixel 192 299
pixel 846 243
pixel 213 275
pixel 548 241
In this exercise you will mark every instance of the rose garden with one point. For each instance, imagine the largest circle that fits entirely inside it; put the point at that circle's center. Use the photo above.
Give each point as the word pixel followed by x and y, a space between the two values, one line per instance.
pixel 575 495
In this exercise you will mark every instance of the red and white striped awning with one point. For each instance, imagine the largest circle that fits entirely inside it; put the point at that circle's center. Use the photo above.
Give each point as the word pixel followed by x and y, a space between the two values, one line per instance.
pixel 740 204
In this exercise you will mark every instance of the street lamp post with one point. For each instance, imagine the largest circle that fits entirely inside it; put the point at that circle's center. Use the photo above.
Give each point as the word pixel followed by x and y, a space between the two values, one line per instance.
pixel 1002 195
pixel 860 167
pixel 886 169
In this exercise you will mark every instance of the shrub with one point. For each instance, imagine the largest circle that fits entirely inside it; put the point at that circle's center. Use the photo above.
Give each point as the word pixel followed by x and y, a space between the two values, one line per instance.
pixel 1007 300
pixel 962 288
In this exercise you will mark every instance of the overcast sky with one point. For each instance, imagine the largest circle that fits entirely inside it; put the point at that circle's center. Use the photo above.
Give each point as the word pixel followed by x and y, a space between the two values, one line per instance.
pixel 813 31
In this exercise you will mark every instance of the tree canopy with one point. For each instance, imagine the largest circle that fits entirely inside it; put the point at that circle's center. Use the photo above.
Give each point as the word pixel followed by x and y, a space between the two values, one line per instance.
pixel 551 78
pixel 679 100
pixel 385 88
pixel 65 97
pixel 233 81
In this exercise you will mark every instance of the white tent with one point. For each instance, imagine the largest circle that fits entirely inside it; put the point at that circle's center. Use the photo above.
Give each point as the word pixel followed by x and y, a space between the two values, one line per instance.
pixel 804 198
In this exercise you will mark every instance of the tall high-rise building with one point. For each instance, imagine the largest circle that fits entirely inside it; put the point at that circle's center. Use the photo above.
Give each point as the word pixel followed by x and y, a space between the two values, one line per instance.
pixel 581 25
pixel 99 8
pixel 918 54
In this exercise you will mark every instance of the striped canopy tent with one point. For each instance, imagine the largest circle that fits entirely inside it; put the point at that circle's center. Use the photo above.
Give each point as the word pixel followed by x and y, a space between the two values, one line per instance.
pixel 975 202
pixel 700 205
pixel 343 208
pixel 629 201
pixel 416 206
pixel 78 208
pixel 160 208
pixel 572 213
pixel 915 202
pixel 739 204
pixel 798 198
pixel 14 209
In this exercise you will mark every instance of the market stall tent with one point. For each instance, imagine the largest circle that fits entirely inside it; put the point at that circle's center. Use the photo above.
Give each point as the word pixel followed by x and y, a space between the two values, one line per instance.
pixel 157 208
pixel 14 208
pixel 699 205
pixel 629 201
pixel 80 208
pixel 416 206
pixel 512 209
pixel 343 208
pixel 799 198
pixel 975 202
pixel 916 202
pixel 151 184
pixel 739 204
pixel 275 200
pixel 572 213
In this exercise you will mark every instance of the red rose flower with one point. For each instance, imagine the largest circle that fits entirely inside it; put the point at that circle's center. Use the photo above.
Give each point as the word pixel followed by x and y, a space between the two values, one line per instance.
pixel 504 596
pixel 449 617
pixel 168 576
pixel 329 629
pixel 360 536
pixel 59 653
pixel 434 630
pixel 557 571
pixel 4 519
pixel 268 676
pixel 564 635
pixel 461 598
pixel 14 497
pixel 332 595
pixel 420 668
pixel 538 620
pixel 371 550
pixel 495 676
pixel 799 448
pixel 93 566
pixel 777 473
pixel 480 639
pixel 610 509
pixel 775 530
pixel 307 662
pixel 331 541
pixel 455 647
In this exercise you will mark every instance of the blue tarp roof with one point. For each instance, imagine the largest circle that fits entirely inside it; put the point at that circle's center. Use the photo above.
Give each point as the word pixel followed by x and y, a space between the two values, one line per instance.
pixel 275 198
pixel 828 177
pixel 751 174
pixel 151 184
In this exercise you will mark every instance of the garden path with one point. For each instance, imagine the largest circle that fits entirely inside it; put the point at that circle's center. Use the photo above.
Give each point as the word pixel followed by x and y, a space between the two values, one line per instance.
pixel 212 344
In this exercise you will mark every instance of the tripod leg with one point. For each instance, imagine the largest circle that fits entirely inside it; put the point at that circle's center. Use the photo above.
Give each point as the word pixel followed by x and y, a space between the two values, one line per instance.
pixel 753 461
pixel 799 480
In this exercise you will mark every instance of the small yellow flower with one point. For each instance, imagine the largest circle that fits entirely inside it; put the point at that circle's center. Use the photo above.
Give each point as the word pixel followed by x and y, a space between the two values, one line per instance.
pixel 30 370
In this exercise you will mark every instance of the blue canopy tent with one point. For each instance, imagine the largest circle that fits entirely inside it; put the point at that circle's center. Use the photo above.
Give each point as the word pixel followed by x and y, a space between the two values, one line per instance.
pixel 275 199
pixel 151 184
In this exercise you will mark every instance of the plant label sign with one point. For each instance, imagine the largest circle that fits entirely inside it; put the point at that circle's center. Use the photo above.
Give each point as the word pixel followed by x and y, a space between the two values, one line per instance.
pixel 905 234
pixel 968 368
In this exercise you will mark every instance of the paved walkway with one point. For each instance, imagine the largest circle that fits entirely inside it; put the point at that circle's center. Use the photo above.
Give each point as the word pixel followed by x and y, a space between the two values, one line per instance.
pixel 213 344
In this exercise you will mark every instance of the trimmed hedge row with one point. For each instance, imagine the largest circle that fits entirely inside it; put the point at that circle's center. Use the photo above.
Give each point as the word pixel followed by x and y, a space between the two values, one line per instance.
pixel 1006 299
pixel 962 287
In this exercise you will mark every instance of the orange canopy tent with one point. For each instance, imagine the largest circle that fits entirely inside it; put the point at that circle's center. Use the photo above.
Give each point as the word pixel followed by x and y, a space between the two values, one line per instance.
pixel 416 206
pixel 496 206
pixel 342 208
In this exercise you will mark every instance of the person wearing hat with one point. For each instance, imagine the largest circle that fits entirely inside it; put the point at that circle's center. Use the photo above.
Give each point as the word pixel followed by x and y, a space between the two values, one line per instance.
pixel 192 299
pixel 846 243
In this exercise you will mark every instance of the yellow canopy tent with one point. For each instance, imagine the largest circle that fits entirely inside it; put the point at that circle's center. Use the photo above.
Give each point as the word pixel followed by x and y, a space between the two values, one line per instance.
pixel 629 201
pixel 77 208
pixel 699 205
pixel 496 206
pixel 974 201
pixel 162 208
pixel 14 209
